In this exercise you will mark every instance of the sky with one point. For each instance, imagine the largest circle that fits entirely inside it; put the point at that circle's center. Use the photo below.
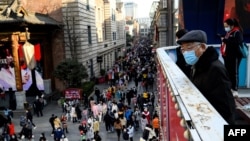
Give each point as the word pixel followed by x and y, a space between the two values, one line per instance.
pixel 143 7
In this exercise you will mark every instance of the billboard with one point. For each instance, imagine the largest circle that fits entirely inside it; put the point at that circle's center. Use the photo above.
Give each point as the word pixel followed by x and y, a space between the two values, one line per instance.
pixel 7 69
pixel 73 93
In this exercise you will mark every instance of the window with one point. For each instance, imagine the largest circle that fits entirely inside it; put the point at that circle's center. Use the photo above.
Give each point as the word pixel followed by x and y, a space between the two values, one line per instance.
pixel 114 35
pixel 99 36
pixel 87 5
pixel 113 15
pixel 99 14
pixel 89 35
pixel 164 4
pixel 104 34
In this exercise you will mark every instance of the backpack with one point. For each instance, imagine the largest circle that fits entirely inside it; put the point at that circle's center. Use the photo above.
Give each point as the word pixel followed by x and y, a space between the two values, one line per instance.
pixel 145 134
pixel 125 135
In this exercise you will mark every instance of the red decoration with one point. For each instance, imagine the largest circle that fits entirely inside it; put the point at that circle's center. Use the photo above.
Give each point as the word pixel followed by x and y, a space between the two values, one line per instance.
pixel 37 52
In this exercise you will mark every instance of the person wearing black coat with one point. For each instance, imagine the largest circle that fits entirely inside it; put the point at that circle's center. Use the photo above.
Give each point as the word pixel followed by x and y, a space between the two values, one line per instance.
pixel 180 62
pixel 78 113
pixel 231 53
pixel 209 74
pixel 29 117
pixel 108 121
pixel 97 94
pixel 51 121
pixel 129 95
pixel 38 108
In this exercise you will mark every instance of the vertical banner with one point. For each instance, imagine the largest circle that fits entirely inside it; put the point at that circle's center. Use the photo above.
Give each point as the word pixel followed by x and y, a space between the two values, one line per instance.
pixel 14 72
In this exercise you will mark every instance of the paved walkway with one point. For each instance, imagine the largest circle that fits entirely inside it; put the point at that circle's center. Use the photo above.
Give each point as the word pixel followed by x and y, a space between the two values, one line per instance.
pixel 43 124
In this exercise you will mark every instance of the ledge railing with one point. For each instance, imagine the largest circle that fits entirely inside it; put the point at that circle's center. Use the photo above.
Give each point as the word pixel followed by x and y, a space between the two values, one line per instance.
pixel 185 114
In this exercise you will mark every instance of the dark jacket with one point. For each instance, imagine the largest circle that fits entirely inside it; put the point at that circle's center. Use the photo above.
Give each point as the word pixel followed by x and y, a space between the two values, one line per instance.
pixel 210 76
pixel 78 112
pixel 51 121
pixel 97 92
pixel 232 44
pixel 83 128
pixel 181 63
pixel 58 134
pixel 29 116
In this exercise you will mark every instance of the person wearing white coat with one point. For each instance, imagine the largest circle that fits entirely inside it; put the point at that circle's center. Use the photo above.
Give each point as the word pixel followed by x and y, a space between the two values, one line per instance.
pixel 130 130
pixel 73 114
pixel 151 132
pixel 144 122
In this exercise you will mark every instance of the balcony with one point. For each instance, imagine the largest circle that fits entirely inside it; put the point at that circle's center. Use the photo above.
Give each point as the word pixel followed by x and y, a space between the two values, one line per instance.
pixel 185 114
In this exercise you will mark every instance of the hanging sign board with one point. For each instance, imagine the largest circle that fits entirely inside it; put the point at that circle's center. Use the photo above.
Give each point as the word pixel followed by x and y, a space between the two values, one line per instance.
pixel 99 59
pixel 73 93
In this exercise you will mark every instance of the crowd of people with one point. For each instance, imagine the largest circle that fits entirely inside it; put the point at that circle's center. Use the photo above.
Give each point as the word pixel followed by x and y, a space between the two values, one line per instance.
pixel 26 122
pixel 125 106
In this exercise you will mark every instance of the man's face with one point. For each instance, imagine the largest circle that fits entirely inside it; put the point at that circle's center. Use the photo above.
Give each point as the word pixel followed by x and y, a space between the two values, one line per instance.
pixel 189 46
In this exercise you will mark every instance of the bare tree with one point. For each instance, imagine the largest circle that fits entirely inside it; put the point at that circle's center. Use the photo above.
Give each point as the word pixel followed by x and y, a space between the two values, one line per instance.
pixel 72 37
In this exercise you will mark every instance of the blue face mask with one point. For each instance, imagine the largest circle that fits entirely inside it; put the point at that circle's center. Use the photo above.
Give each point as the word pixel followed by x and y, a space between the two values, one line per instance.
pixel 190 57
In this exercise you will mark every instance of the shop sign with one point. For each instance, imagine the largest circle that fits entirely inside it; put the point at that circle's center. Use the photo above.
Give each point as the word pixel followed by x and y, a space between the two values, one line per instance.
pixel 73 93
pixel 99 59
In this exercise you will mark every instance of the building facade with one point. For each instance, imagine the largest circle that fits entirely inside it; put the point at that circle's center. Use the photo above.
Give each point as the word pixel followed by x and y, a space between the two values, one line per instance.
pixel 131 9
pixel 98 27
pixel 144 26
pixel 60 29
pixel 160 25
pixel 164 23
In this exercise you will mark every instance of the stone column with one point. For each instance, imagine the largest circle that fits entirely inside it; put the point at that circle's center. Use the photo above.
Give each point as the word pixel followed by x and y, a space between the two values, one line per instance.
pixel 20 99
pixel 47 86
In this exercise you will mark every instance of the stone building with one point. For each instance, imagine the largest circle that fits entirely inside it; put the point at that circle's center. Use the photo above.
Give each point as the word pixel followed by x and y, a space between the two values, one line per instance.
pixel 99 30
pixel 95 27
pixel 164 22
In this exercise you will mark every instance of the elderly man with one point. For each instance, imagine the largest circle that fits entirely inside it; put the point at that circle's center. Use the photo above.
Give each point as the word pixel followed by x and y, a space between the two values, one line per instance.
pixel 208 74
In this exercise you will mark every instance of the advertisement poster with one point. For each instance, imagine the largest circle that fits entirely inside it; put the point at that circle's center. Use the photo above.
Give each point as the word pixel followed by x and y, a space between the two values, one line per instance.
pixel 73 93
pixel 7 69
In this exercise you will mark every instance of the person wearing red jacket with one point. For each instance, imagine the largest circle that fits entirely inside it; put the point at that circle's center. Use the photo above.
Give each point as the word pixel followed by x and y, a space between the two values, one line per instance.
pixel 10 130
pixel 147 114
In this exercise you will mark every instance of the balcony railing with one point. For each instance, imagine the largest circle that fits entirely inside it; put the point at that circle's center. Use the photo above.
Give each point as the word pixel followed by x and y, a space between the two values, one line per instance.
pixel 185 114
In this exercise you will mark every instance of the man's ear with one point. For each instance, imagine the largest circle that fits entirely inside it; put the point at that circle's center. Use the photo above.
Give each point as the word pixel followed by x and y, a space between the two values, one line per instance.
pixel 203 46
pixel 201 49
